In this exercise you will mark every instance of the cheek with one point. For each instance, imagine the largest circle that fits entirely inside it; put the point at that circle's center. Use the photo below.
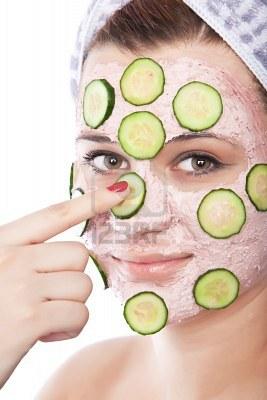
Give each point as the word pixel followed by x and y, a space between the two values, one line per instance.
pixel 245 254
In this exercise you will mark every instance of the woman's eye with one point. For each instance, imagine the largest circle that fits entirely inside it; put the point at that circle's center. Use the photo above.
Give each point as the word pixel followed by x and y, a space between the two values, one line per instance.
pixel 198 164
pixel 102 162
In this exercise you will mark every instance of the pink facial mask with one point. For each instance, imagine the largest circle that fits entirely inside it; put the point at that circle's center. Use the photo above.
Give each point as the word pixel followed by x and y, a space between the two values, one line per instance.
pixel 172 211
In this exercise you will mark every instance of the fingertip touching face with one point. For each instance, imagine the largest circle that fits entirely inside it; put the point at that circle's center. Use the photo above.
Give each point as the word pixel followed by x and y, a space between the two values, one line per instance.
pixel 189 166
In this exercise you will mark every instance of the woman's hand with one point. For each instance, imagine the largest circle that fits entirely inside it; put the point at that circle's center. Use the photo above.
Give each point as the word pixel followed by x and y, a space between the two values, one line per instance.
pixel 43 286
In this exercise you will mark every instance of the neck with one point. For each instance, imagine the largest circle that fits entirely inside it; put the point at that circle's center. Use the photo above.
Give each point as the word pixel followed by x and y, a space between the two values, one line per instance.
pixel 217 354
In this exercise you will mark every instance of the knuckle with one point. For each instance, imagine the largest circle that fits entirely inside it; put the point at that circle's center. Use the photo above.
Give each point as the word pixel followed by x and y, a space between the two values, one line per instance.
pixel 29 315
pixel 86 286
pixel 82 251
pixel 8 254
pixel 83 315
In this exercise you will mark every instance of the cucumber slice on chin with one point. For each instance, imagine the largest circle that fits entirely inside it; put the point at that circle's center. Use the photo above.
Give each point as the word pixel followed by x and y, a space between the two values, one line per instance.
pixel 197 106
pixel 146 313
pixel 215 289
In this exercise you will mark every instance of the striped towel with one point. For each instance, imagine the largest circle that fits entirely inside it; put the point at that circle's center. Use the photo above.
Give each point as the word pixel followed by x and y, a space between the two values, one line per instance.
pixel 241 23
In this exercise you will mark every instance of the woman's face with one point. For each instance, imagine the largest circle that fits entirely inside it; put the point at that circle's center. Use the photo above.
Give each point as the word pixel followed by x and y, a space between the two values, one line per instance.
pixel 186 169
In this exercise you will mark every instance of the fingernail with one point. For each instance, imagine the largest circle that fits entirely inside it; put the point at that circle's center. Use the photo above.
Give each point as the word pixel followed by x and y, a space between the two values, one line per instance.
pixel 118 186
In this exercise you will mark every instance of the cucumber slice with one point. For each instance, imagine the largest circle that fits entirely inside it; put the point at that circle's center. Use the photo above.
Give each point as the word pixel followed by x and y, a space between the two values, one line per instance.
pixel 131 205
pixel 197 106
pixel 98 102
pixel 75 193
pixel 256 186
pixel 102 273
pixel 141 135
pixel 142 82
pixel 85 227
pixel 216 288
pixel 146 313
pixel 221 213
pixel 71 179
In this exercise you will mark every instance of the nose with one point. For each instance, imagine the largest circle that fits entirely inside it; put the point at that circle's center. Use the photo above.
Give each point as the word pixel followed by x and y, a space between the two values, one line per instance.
pixel 156 213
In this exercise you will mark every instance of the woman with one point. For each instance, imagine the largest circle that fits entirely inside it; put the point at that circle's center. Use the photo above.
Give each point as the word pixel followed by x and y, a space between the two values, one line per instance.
pixel 199 354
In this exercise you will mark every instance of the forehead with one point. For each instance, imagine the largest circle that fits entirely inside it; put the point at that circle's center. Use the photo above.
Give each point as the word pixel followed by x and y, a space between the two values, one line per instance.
pixel 215 57
pixel 216 65
pixel 180 66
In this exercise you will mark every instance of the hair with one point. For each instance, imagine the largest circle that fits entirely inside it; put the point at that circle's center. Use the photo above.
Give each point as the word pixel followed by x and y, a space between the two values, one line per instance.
pixel 148 24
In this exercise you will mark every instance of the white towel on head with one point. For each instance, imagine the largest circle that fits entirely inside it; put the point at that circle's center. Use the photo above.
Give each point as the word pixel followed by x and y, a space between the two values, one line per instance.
pixel 241 23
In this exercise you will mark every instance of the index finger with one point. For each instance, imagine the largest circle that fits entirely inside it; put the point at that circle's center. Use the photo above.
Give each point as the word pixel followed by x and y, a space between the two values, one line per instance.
pixel 43 224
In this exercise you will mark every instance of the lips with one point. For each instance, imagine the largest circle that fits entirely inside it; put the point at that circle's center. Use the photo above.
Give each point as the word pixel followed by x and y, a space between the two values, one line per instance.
pixel 151 267
pixel 151 258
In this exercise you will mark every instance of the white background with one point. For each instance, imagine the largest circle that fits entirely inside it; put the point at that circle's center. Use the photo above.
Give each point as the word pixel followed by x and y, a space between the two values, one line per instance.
pixel 37 120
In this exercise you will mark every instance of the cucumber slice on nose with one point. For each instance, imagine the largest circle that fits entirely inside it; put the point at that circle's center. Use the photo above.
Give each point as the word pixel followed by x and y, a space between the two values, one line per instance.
pixel 135 200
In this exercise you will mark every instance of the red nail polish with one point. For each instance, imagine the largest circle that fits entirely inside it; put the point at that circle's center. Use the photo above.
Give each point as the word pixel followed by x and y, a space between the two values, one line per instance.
pixel 118 186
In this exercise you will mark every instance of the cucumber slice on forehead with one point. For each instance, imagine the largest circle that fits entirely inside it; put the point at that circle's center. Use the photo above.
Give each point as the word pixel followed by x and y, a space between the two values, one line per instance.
pixel 141 135
pixel 98 102
pixel 256 186
pixel 132 204
pixel 197 106
pixel 216 288
pixel 221 213
pixel 146 313
pixel 142 81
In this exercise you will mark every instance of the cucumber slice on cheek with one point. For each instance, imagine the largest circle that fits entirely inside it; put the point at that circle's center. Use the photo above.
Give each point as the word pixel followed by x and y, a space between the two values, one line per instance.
pixel 146 313
pixel 216 288
pixel 141 135
pixel 76 192
pixel 142 82
pixel 221 213
pixel 100 270
pixel 71 179
pixel 135 200
pixel 98 102
pixel 256 186
pixel 197 106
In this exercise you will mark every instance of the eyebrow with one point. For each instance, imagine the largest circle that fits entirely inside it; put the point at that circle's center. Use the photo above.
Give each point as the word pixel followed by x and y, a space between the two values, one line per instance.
pixel 101 138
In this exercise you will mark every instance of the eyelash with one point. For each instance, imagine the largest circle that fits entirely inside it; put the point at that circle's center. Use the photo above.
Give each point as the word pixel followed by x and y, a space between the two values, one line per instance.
pixel 94 153
pixel 90 156
pixel 195 154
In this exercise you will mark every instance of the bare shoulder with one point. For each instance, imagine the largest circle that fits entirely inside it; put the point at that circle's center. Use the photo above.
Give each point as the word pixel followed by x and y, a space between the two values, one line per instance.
pixel 93 370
